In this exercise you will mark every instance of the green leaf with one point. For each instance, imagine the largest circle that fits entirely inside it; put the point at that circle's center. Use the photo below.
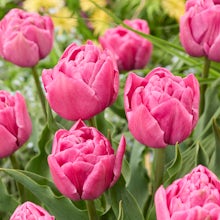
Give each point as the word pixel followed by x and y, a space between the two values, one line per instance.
pixel 152 214
pixel 59 206
pixel 121 213
pixel 202 156
pixel 139 180
pixel 130 206
pixel 7 202
pixel 175 166
pixel 216 156
pixel 118 107
pixel 103 125
pixel 38 164
pixel 211 109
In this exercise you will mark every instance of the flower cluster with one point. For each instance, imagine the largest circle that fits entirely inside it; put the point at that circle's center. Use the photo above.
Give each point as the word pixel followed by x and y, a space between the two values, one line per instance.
pixel 81 152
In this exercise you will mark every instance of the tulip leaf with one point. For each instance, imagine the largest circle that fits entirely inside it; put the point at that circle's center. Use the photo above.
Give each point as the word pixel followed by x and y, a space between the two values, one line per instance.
pixel 59 206
pixel 130 206
pixel 212 104
pixel 103 125
pixel 7 202
pixel 38 164
pixel 121 213
pixel 201 155
pixel 118 107
pixel 152 214
pixel 174 168
pixel 216 155
pixel 139 179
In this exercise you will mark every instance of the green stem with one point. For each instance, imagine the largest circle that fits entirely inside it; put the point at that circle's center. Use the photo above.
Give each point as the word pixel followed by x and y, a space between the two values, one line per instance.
pixel 45 106
pixel 40 90
pixel 203 88
pixel 92 122
pixel 20 187
pixel 158 167
pixel 91 210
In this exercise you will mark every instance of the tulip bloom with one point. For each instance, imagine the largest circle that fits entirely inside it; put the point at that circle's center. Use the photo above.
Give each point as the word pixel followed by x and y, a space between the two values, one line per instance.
pixel 200 29
pixel 82 163
pixel 29 210
pixel 130 49
pixel 25 37
pixel 83 83
pixel 161 108
pixel 195 196
pixel 15 123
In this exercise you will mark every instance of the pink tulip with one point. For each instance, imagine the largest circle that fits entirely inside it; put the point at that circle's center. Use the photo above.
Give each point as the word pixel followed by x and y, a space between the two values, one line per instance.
pixel 82 163
pixel 83 83
pixel 25 37
pixel 30 211
pixel 161 108
pixel 196 196
pixel 130 49
pixel 15 123
pixel 200 29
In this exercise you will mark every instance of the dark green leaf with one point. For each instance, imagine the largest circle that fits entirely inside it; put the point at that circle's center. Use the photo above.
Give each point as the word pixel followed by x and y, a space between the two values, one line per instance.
pixel 7 202
pixel 139 180
pixel 130 206
pixel 216 156
pixel 59 206
pixel 174 168
pixel 38 164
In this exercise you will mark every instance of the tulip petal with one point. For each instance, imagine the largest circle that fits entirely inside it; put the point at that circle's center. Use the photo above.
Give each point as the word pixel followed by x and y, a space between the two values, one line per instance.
pixel 174 120
pixel 160 201
pixel 145 127
pixel 106 83
pixel 61 181
pixel 214 52
pixel 23 119
pixel 42 38
pixel 187 39
pixel 76 100
pixel 118 160
pixel 8 142
pixel 7 120
pixel 95 184
pixel 17 49
pixel 77 173
pixel 192 82
pixel 133 81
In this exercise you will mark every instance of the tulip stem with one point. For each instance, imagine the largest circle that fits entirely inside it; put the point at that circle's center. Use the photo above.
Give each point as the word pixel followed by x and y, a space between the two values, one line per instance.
pixel 91 210
pixel 20 187
pixel 40 91
pixel 158 167
pixel 45 106
pixel 203 88
pixel 92 122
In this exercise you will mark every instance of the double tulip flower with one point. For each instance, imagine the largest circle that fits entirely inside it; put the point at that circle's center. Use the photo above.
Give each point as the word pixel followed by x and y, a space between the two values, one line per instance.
pixel 200 29
pixel 161 108
pixel 194 196
pixel 82 163
pixel 83 83
pixel 25 37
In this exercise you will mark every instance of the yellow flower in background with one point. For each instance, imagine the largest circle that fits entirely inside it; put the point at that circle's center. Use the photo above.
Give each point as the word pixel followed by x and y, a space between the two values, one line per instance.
pixel 61 15
pixel 64 20
pixel 174 8
pixel 42 6
pixel 100 21
pixel 87 5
